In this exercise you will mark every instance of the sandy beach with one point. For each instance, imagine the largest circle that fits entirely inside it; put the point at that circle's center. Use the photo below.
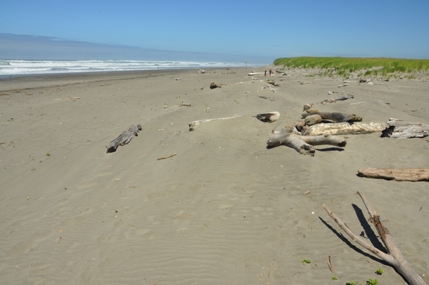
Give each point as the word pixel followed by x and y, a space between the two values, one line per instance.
pixel 211 206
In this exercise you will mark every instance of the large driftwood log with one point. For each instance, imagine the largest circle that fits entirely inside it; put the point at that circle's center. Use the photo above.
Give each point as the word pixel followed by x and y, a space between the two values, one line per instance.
pixel 124 138
pixel 408 174
pixel 195 124
pixel 393 256
pixel 288 136
pixel 333 116
pixel 343 128
pixel 403 129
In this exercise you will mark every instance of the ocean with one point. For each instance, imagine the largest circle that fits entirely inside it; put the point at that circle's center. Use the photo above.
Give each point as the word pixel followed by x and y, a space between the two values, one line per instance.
pixel 33 67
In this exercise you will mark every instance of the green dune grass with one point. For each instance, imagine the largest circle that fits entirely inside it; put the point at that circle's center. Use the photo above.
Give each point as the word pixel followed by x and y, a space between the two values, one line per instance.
pixel 366 66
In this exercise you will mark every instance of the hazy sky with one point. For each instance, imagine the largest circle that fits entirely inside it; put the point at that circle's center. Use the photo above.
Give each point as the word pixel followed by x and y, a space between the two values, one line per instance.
pixel 268 29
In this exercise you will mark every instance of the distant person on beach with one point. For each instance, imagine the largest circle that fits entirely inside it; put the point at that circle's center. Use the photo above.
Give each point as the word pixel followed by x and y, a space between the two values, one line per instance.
pixel 265 74
pixel 271 72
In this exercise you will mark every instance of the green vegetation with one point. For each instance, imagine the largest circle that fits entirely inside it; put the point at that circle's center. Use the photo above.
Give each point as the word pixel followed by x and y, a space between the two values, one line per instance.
pixel 372 282
pixel 306 261
pixel 344 66
pixel 48 154
pixel 334 278
pixel 379 271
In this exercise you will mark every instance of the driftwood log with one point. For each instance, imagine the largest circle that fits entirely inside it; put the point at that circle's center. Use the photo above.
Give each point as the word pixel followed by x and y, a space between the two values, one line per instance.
pixel 408 174
pixel 195 124
pixel 343 128
pixel 403 129
pixel 393 256
pixel 290 137
pixel 124 138
pixel 333 116
pixel 269 117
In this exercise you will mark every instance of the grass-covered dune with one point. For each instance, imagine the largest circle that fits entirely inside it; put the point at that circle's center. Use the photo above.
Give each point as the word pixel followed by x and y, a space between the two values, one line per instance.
pixel 347 65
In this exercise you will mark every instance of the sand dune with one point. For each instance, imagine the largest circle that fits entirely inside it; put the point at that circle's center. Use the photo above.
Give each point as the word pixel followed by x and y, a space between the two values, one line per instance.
pixel 224 209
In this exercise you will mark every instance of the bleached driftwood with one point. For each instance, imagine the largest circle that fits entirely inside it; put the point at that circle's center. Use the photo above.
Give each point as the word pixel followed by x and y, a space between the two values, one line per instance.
pixel 290 137
pixel 333 116
pixel 124 138
pixel 344 128
pixel 403 129
pixel 393 256
pixel 268 117
pixel 194 124
pixel 408 174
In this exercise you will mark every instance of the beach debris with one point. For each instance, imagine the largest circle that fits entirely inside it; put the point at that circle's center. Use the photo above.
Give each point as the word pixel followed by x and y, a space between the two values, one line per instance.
pixel 213 85
pixel 201 71
pixel 333 116
pixel 399 129
pixel 272 82
pixel 330 100
pixel 195 124
pixel 124 138
pixel 343 128
pixel 267 87
pixel 291 137
pixel 268 117
pixel 166 157
pixel 268 98
pixel 365 80
pixel 178 78
pixel 393 256
pixel 331 267
pixel 185 104
pixel 406 174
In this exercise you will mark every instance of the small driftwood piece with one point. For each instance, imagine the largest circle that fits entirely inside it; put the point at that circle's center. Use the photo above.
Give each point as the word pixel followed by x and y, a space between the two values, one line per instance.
pixel 166 157
pixel 185 104
pixel 399 129
pixel 194 124
pixel 344 128
pixel 333 116
pixel 124 138
pixel 269 117
pixel 408 174
pixel 213 85
pixel 393 256
pixel 290 137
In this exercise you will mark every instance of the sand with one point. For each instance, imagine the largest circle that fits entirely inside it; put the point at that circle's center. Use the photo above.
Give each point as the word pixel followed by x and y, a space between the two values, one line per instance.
pixel 224 209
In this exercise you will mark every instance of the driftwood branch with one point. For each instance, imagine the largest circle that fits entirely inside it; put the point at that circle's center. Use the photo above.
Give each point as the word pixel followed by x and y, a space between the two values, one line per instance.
pixel 409 174
pixel 344 128
pixel 288 136
pixel 393 256
pixel 124 138
pixel 194 124
pixel 403 129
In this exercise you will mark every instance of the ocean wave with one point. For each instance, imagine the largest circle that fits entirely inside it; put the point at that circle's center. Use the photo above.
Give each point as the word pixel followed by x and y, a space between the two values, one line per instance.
pixel 23 67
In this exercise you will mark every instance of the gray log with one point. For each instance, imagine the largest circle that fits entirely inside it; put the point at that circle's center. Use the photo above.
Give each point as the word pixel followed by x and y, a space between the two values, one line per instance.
pixel 404 129
pixel 288 136
pixel 124 138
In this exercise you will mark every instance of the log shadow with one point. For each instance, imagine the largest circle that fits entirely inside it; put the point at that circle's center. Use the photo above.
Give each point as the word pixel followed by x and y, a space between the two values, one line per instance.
pixel 370 234
pixel 352 246
pixel 330 149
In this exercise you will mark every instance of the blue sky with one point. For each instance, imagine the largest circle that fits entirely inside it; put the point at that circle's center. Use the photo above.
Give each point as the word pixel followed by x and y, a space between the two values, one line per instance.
pixel 243 29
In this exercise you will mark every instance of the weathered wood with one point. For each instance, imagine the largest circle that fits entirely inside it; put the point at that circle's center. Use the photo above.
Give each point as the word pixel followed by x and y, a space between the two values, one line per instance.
pixel 404 129
pixel 334 116
pixel 268 117
pixel 407 174
pixel 124 138
pixel 290 137
pixel 393 256
pixel 344 128
pixel 195 124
